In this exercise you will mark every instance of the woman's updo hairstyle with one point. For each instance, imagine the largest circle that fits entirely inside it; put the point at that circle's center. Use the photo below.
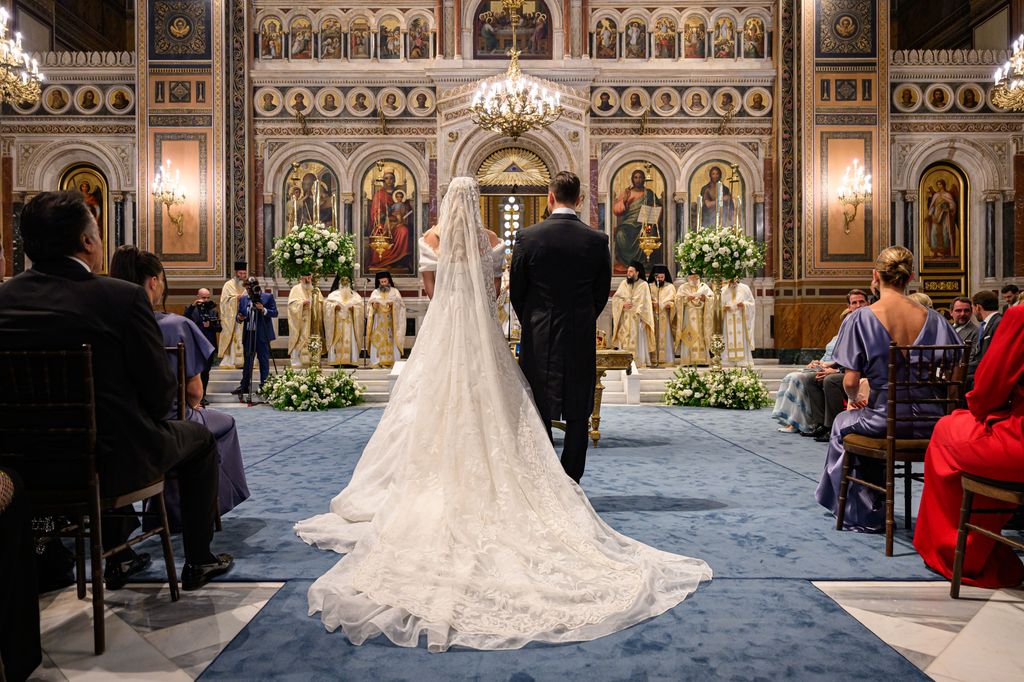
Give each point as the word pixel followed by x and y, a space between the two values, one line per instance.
pixel 895 266
pixel 134 265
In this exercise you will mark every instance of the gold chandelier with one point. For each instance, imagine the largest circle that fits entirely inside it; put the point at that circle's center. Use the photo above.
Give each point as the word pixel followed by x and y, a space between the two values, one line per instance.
pixel 1009 90
pixel 513 103
pixel 19 73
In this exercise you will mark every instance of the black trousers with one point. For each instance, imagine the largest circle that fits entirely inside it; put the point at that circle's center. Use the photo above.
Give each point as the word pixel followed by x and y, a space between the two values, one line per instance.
pixel 835 394
pixel 20 650
pixel 262 356
pixel 574 447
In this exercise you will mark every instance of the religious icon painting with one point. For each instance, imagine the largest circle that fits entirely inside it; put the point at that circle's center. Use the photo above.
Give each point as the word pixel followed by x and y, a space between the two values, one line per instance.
pixel 28 107
pixel 389 213
pixel 906 97
pixel 421 102
pixel 88 99
pixel 359 36
pixel 723 39
pixel 696 101
pixel 419 39
pixel 938 97
pixel 695 32
pixel 360 102
pixel 311 191
pixel 391 101
pixel 271 39
pixel 944 215
pixel 301 40
pixel 56 99
pixel 757 101
pixel 604 101
pixel 268 102
pixel 666 101
pixel 717 193
pixel 120 100
pixel 299 101
pixel 637 198
pixel 727 101
pixel 634 39
pixel 969 97
pixel 330 102
pixel 390 37
pixel 664 38
pixel 88 180
pixel 753 38
pixel 635 101
pixel 606 39
pixel 330 39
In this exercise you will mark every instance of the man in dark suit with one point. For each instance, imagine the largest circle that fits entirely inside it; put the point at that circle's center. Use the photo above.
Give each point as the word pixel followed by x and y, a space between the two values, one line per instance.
pixel 257 332
pixel 962 312
pixel 203 312
pixel 559 283
pixel 59 303
pixel 986 309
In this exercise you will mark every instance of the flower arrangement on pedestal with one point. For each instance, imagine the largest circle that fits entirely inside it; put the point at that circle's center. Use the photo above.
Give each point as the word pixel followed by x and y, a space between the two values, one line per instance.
pixel 311 390
pixel 313 249
pixel 734 388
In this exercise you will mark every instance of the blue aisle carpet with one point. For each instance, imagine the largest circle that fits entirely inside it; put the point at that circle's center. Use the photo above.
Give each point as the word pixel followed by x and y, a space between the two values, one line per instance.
pixel 721 485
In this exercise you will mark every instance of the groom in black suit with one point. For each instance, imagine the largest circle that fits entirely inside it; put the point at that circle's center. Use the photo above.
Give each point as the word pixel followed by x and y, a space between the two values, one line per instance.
pixel 560 280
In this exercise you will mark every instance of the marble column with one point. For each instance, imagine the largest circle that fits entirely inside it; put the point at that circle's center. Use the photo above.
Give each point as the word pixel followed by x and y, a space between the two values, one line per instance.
pixel 346 199
pixel 680 199
pixel 16 255
pixel 990 232
pixel 909 201
pixel 266 237
pixel 1010 244
pixel 131 212
pixel 759 232
pixel 448 21
pixel 1018 208
pixel 895 217
pixel 578 27
pixel 432 187
pixel 7 205
pixel 259 229
pixel 769 213
pixel 118 219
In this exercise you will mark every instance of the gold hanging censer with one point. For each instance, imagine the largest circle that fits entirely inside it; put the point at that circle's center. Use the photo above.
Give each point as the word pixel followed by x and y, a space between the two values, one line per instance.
pixel 649 238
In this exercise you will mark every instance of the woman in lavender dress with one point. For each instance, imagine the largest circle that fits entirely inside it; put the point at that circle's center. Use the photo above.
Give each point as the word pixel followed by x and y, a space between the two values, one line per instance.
pixel 863 350
pixel 144 268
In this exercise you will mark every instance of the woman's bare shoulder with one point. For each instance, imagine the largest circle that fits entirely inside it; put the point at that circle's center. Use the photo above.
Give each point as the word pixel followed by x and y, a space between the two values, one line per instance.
pixel 432 238
pixel 494 239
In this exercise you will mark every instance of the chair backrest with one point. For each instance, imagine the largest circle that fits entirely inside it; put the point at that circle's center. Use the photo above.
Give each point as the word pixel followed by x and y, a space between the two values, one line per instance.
pixel 179 355
pixel 922 376
pixel 48 417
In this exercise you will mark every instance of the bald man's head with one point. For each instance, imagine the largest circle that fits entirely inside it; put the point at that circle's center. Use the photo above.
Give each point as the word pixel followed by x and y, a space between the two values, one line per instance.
pixel 203 294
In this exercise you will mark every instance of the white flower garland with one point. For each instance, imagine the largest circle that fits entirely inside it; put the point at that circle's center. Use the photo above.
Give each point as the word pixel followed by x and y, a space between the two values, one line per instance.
pixel 311 390
pixel 734 388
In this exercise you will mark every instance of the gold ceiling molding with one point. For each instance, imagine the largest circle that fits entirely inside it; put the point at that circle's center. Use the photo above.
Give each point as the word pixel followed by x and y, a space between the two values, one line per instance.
pixel 513 166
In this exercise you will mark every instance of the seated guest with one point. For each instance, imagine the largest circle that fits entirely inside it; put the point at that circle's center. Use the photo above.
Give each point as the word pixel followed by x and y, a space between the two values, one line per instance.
pixel 59 303
pixel 146 270
pixel 863 351
pixel 203 312
pixel 922 298
pixel 20 650
pixel 1010 292
pixel 986 309
pixel 964 325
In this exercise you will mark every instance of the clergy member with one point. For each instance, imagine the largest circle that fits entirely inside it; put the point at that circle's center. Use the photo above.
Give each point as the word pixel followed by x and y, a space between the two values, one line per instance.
pixel 738 323
pixel 301 300
pixel 633 316
pixel 385 323
pixel 691 323
pixel 663 296
pixel 343 325
pixel 230 343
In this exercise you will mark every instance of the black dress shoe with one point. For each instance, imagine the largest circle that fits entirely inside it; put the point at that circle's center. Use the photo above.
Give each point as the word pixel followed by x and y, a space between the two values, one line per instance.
pixel 823 437
pixel 814 433
pixel 116 575
pixel 204 402
pixel 238 391
pixel 194 576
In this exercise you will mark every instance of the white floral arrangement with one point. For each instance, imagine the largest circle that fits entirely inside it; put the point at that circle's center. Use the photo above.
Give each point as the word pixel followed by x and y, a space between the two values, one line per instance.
pixel 311 390
pixel 313 249
pixel 733 388
pixel 719 253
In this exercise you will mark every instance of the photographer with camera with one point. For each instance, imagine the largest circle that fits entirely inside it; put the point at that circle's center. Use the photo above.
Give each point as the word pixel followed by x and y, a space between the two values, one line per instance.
pixel 203 312
pixel 256 311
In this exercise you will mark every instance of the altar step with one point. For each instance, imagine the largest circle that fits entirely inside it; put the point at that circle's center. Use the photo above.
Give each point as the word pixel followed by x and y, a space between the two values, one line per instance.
pixel 647 385
pixel 378 382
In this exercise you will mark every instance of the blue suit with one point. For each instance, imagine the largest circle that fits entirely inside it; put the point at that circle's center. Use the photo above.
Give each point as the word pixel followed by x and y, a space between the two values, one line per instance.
pixel 264 334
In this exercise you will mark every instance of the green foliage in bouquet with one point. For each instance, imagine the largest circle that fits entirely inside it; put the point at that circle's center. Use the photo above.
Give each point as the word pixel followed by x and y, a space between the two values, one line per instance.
pixel 310 390
pixel 724 253
pixel 734 388
pixel 313 249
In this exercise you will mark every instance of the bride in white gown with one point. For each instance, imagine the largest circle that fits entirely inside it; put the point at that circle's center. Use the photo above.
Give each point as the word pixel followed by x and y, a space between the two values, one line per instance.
pixel 459 522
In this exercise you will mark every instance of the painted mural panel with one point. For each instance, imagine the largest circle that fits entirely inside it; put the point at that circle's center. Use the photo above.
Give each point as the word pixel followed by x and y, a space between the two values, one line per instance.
pixel 637 188
pixel 312 194
pixel 718 193
pixel 88 180
pixel 945 199
pixel 180 30
pixel 695 40
pixel 492 31
pixel 271 39
pixel 665 38
pixel 389 209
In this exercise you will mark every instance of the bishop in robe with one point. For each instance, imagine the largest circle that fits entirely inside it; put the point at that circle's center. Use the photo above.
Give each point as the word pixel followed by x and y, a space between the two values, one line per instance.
pixel 693 302
pixel 343 325
pixel 633 316
pixel 738 325
pixel 301 302
pixel 229 344
pixel 663 297
pixel 385 323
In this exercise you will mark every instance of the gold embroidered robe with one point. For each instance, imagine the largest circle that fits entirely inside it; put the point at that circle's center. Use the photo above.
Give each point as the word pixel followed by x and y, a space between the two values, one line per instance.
pixel 229 342
pixel 343 326
pixel 385 320
pixel 633 328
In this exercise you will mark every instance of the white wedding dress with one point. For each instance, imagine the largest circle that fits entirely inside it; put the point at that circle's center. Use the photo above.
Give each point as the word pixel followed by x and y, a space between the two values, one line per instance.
pixel 459 522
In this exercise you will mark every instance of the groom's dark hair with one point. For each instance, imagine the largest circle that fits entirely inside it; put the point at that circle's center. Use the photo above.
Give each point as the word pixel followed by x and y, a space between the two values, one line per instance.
pixel 566 187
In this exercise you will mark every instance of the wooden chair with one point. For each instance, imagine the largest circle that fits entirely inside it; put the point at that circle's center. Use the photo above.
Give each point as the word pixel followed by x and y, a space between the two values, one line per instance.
pixel 937 371
pixel 48 435
pixel 1004 491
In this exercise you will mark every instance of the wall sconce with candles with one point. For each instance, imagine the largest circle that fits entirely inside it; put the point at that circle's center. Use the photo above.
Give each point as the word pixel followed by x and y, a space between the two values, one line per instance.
pixel 854 190
pixel 170 193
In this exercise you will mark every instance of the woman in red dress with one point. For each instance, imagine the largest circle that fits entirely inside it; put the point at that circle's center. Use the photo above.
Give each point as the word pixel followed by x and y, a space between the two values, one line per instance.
pixel 985 440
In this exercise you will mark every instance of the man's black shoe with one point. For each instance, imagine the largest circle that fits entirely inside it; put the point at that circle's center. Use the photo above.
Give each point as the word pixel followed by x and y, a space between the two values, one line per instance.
pixel 238 391
pixel 116 574
pixel 194 576
pixel 815 432
pixel 204 402
pixel 823 437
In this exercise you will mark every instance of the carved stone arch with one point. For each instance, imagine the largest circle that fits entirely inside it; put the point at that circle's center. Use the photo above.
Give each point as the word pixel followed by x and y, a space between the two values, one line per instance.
pixel 637 13
pixel 278 165
pixel 667 13
pixel 976 160
pixel 755 12
pixel 268 14
pixel 49 164
pixel 330 14
pixel 749 164
pixel 390 14
pixel 597 16
pixel 356 15
pixel 556 26
pixel 478 145
pixel 659 155
pixel 420 14
pixel 362 161
pixel 697 13
pixel 301 15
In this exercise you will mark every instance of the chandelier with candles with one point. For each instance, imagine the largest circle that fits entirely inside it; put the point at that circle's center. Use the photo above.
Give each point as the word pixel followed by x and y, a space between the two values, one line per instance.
pixel 19 73
pixel 1009 90
pixel 514 103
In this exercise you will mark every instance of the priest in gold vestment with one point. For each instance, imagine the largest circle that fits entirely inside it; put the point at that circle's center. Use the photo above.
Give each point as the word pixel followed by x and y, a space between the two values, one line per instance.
pixel 692 322
pixel 663 296
pixel 229 343
pixel 738 325
pixel 385 323
pixel 633 316
pixel 301 301
pixel 343 325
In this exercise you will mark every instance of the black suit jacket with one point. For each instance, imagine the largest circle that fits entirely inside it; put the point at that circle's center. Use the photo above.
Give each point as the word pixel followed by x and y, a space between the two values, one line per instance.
pixel 981 345
pixel 559 283
pixel 264 321
pixel 60 305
